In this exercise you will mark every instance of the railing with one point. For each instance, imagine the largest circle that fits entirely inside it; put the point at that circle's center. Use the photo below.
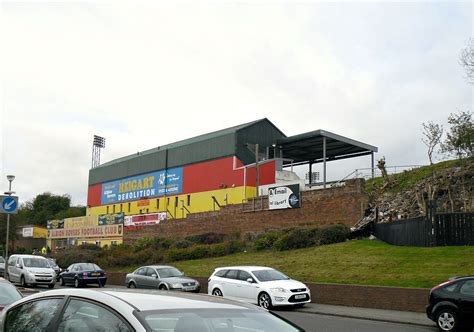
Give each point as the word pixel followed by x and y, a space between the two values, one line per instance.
pixel 367 173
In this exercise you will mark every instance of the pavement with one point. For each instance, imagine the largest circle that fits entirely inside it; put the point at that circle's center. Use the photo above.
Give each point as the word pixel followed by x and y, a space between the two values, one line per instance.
pixel 392 316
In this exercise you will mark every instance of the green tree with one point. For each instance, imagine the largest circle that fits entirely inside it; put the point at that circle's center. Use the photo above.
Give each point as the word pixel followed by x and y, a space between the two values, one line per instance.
pixel 460 137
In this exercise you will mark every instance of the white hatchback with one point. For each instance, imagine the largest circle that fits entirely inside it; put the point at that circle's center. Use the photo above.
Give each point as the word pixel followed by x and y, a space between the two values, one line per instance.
pixel 260 285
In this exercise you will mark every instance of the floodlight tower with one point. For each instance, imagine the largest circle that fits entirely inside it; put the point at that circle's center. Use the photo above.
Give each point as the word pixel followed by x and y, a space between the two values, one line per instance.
pixel 98 143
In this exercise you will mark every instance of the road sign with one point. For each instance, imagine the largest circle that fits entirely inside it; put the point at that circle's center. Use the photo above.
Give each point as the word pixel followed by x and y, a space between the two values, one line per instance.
pixel 8 204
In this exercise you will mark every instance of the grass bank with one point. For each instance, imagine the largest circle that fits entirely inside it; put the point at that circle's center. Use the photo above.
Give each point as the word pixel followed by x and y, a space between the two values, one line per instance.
pixel 362 262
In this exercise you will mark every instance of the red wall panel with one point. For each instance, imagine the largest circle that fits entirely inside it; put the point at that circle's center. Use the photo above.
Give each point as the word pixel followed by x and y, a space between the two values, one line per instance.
pixel 94 194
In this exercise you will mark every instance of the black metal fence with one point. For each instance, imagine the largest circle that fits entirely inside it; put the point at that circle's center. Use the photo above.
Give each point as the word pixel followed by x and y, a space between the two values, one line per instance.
pixel 442 229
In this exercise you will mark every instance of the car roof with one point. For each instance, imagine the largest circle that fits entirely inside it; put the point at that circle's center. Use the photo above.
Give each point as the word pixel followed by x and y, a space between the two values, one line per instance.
pixel 27 256
pixel 158 266
pixel 145 299
pixel 245 267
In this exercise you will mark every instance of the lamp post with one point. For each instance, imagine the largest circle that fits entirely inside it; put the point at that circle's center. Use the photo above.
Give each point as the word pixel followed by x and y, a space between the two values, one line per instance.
pixel 10 178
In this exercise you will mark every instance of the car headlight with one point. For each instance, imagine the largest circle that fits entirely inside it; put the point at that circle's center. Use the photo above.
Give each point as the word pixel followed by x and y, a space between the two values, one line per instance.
pixel 278 290
pixel 176 285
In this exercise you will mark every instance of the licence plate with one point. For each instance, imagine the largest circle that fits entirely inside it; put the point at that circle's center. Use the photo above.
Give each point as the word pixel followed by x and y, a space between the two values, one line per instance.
pixel 95 274
pixel 303 296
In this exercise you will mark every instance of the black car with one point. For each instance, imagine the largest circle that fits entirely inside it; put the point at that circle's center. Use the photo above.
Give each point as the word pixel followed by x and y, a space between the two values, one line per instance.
pixel 452 304
pixel 55 267
pixel 81 274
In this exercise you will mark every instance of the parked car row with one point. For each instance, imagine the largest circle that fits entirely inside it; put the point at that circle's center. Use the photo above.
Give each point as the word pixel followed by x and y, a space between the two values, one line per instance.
pixel 259 285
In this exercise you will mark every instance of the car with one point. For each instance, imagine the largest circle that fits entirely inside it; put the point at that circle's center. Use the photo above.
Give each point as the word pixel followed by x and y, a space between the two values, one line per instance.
pixel 30 270
pixel 55 267
pixel 136 310
pixel 8 293
pixel 451 304
pixel 81 274
pixel 259 285
pixel 2 266
pixel 161 277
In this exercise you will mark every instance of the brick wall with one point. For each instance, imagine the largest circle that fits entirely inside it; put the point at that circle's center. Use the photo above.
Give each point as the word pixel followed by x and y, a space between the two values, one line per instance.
pixel 388 298
pixel 343 205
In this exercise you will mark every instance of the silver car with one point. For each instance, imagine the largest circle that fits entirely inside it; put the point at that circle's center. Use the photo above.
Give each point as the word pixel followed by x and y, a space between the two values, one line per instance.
pixel 127 310
pixel 161 277
pixel 2 266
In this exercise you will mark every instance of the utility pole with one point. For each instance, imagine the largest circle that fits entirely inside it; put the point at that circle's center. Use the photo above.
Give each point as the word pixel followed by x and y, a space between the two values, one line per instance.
pixel 10 178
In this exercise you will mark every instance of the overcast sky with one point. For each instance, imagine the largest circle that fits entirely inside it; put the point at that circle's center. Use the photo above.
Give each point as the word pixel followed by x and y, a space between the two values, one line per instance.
pixel 144 74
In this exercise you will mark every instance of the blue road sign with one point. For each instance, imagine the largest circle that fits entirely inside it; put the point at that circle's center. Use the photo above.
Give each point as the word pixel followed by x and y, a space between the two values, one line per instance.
pixel 9 204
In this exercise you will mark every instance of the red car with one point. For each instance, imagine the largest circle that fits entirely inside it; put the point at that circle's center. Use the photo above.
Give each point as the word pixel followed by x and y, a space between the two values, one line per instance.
pixel 8 293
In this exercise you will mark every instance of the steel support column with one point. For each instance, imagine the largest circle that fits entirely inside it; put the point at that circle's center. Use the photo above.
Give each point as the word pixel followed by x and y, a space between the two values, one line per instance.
pixel 310 173
pixel 324 162
pixel 373 165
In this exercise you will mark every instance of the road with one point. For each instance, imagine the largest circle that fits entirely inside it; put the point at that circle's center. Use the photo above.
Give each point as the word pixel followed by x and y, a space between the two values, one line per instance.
pixel 323 323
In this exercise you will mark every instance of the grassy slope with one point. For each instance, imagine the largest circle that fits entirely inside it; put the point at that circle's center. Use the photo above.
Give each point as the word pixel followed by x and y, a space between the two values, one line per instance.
pixel 406 180
pixel 361 262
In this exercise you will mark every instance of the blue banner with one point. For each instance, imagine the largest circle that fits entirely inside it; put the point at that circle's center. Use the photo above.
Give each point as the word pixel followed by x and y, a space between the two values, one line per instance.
pixel 156 184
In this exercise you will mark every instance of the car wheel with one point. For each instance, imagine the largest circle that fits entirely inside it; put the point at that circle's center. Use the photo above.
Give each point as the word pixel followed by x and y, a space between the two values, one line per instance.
pixel 61 281
pixel 132 285
pixel 23 282
pixel 447 320
pixel 264 301
pixel 77 284
pixel 51 286
pixel 217 292
pixel 163 287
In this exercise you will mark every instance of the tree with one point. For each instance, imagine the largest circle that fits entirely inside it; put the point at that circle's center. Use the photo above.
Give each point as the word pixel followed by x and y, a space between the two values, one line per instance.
pixel 432 137
pixel 460 139
pixel 467 60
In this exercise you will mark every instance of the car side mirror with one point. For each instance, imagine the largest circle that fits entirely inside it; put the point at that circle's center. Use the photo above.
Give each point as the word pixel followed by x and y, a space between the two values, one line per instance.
pixel 250 281
pixel 154 276
pixel 19 266
pixel 66 270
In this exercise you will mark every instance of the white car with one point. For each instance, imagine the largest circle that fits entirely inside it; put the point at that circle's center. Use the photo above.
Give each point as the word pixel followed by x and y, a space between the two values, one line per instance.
pixel 127 310
pixel 260 285
pixel 30 270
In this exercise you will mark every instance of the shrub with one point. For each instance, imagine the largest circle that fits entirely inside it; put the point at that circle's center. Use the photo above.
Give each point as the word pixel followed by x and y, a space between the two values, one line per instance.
pixel 295 239
pixel 183 244
pixel 334 234
pixel 206 238
pixel 266 240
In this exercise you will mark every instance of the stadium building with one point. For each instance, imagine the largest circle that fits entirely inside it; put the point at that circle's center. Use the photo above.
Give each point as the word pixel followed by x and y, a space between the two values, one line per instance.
pixel 202 173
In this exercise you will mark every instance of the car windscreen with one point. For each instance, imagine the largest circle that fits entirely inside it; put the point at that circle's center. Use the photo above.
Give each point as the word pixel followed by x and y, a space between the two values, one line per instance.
pixel 88 267
pixel 35 262
pixel 2 260
pixel 207 320
pixel 8 294
pixel 169 273
pixel 269 275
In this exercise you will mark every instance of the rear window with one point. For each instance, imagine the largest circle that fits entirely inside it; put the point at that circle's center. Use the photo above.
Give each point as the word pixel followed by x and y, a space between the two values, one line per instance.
pixel 220 273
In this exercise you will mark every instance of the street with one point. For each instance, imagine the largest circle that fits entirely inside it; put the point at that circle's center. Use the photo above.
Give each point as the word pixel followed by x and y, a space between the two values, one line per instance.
pixel 312 322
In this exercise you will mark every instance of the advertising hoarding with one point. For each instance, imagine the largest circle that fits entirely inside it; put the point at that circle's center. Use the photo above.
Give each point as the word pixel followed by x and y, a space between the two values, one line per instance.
pixel 156 184
pixel 111 219
pixel 85 232
pixel 145 219
pixel 284 197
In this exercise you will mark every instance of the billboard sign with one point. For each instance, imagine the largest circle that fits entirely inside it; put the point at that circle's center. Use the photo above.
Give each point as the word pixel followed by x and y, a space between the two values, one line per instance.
pixel 86 232
pixel 27 232
pixel 284 197
pixel 145 219
pixel 111 219
pixel 55 224
pixel 156 184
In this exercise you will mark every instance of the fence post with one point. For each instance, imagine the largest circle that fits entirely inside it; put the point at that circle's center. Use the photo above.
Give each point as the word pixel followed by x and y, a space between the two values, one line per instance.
pixel 431 220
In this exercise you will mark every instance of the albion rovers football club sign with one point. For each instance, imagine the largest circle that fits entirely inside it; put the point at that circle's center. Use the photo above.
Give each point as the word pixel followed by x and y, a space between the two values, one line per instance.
pixel 284 197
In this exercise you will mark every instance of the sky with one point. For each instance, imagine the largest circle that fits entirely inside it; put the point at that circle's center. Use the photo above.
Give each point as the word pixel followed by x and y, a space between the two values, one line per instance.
pixel 147 73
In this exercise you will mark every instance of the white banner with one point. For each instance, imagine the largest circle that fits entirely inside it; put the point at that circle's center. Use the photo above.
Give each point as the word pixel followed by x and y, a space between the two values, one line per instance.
pixel 284 197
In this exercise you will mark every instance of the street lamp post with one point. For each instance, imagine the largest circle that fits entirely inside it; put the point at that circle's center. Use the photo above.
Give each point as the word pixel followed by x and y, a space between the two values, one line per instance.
pixel 10 178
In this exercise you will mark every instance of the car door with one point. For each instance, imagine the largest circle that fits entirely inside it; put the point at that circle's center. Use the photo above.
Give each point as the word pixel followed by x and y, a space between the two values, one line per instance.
pixel 68 275
pixel 139 277
pixel 230 285
pixel 246 291
pixel 37 315
pixel 466 299
pixel 13 270
pixel 150 279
